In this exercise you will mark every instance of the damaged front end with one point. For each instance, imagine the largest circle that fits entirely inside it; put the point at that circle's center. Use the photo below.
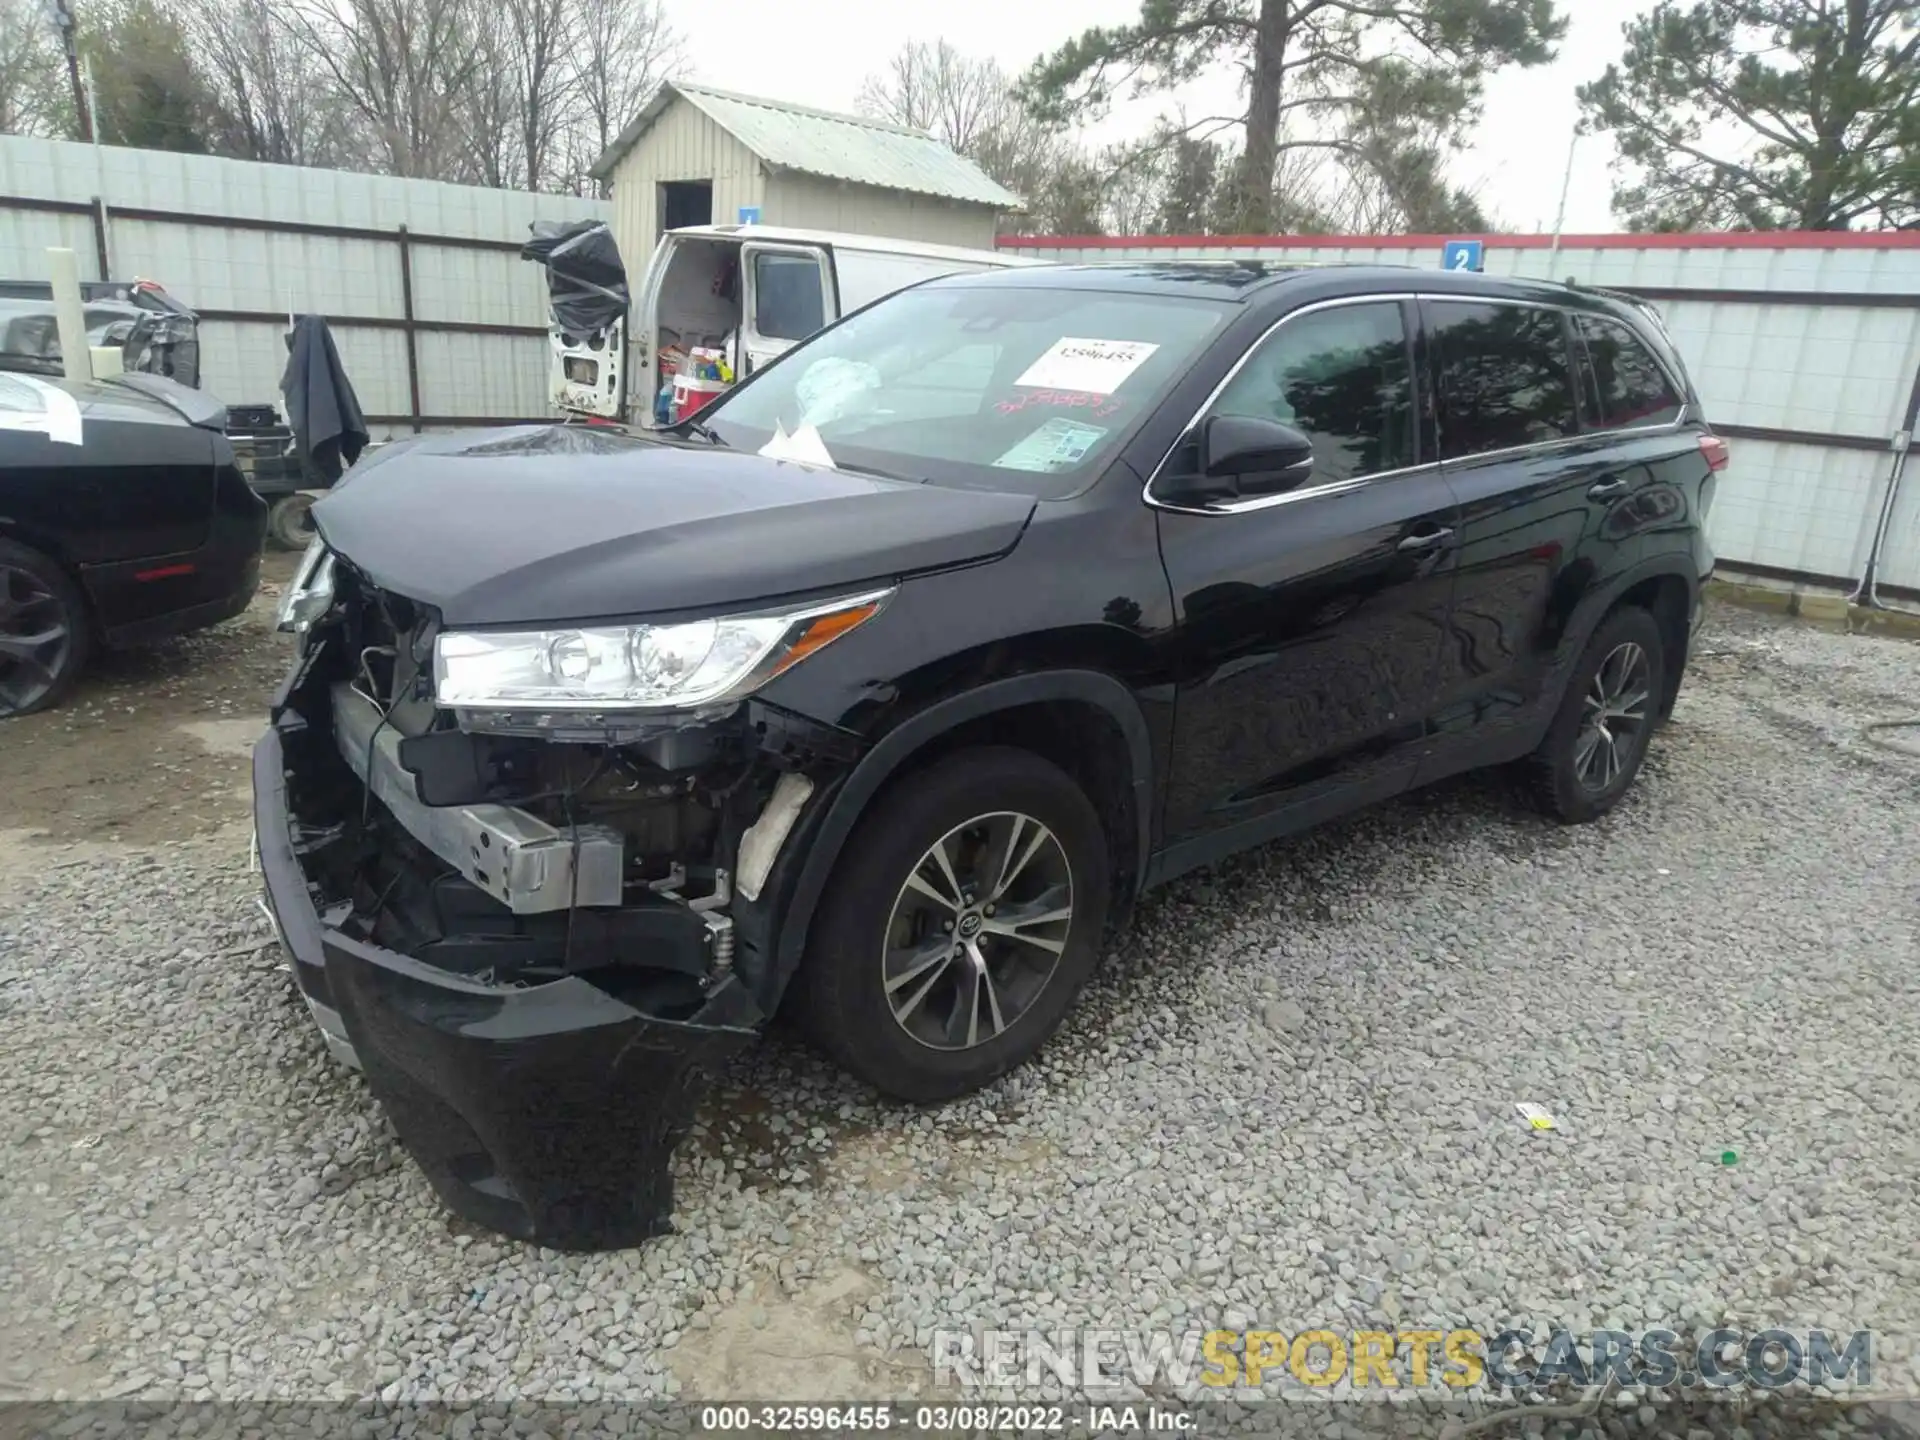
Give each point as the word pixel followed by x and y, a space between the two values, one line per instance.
pixel 536 935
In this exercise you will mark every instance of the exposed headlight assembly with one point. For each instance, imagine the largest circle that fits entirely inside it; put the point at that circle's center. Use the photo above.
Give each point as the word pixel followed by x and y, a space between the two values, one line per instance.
pixel 626 669
pixel 310 593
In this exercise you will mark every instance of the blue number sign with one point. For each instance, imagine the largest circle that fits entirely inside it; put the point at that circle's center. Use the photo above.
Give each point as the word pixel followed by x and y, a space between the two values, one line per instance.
pixel 1463 255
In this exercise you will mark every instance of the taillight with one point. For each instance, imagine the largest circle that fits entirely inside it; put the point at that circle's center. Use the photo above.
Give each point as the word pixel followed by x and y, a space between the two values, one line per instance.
pixel 1715 449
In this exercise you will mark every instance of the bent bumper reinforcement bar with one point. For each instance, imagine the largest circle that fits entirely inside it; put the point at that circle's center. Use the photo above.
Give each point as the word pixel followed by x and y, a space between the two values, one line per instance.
pixel 519 859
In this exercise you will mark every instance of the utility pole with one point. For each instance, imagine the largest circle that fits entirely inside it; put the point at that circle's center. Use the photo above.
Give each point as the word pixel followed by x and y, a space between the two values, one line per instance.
pixel 1560 216
pixel 61 13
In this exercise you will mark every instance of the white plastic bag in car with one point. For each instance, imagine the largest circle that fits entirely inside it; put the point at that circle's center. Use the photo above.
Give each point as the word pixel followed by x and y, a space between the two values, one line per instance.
pixel 832 389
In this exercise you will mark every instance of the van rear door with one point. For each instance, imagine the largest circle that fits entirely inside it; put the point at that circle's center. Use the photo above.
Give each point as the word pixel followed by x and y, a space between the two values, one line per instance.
pixel 643 339
pixel 790 293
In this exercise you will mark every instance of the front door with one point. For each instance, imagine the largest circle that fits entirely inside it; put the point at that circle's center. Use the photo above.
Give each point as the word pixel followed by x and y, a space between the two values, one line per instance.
pixel 1310 622
pixel 789 295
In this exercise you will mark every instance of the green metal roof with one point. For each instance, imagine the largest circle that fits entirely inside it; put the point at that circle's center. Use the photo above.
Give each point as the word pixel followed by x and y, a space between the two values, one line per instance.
pixel 819 142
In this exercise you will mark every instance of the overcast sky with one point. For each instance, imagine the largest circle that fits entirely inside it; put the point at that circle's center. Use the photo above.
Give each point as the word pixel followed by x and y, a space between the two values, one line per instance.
pixel 818 52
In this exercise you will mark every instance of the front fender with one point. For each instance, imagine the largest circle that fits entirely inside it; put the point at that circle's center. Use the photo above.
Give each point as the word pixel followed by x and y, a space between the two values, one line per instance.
pixel 799 879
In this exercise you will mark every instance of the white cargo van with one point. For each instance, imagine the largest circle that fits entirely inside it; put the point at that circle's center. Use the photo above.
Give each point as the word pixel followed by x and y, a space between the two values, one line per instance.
pixel 743 294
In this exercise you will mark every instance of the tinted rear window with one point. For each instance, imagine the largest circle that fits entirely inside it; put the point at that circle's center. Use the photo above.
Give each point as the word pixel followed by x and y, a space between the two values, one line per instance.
pixel 1633 388
pixel 1506 377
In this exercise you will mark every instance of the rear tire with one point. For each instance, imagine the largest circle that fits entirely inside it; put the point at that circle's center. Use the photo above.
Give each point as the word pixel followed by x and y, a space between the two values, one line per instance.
pixel 45 631
pixel 925 994
pixel 1599 737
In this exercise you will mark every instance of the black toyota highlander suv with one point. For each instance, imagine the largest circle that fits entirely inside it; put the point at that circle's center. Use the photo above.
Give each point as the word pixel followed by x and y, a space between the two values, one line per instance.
pixel 880 690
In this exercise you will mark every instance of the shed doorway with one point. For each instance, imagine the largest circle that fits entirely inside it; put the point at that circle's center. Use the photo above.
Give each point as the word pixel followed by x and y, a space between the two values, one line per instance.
pixel 685 202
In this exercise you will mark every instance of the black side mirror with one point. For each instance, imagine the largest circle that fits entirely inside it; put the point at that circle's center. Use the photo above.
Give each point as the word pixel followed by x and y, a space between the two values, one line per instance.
pixel 1236 457
pixel 1258 456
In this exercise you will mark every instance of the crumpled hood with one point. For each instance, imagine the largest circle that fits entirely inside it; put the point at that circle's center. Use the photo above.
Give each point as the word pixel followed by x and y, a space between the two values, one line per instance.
pixel 552 523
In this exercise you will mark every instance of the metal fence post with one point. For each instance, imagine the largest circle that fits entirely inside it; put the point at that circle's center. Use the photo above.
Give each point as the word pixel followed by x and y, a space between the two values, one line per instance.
pixel 1867 592
pixel 102 252
pixel 406 311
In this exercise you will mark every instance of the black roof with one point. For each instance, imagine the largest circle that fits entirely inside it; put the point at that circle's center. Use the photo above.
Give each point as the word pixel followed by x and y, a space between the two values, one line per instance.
pixel 1244 280
pixel 1212 279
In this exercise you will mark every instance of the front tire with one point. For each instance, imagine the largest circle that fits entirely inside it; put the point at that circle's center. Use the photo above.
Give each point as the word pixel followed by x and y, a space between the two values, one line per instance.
pixel 961 921
pixel 45 636
pixel 1599 737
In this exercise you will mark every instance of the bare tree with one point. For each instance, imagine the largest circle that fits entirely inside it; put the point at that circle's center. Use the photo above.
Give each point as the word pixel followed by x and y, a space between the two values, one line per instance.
pixel 522 98
pixel 959 99
pixel 622 50
pixel 489 108
pixel 546 81
pixel 272 98
pixel 1137 177
pixel 508 93
pixel 970 105
pixel 405 66
pixel 34 99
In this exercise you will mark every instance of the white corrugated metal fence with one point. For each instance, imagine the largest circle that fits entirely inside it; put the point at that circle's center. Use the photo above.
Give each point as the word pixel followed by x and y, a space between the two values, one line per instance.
pixel 437 319
pixel 1805 350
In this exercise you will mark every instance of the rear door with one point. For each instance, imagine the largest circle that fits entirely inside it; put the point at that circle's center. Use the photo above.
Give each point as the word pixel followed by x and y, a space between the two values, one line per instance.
pixel 1310 621
pixel 1537 477
pixel 1633 399
pixel 789 296
pixel 644 338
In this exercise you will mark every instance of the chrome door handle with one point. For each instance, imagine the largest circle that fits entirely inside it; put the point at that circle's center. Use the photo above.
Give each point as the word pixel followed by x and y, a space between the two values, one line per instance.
pixel 1427 541
pixel 1606 488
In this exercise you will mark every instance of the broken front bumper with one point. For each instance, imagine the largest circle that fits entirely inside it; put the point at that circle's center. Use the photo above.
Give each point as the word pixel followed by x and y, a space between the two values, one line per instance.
pixel 547 1111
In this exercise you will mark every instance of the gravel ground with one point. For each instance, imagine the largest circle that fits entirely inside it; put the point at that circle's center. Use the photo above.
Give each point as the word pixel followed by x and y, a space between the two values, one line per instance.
pixel 1287 1101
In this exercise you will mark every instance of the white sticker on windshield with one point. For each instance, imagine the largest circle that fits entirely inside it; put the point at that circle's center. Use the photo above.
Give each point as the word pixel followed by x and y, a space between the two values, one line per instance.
pixel 1097 365
pixel 1056 445
pixel 30 404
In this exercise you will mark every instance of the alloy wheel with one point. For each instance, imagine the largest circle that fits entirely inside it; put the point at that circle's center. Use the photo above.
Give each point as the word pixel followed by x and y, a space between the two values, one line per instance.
pixel 1613 717
pixel 36 639
pixel 977 930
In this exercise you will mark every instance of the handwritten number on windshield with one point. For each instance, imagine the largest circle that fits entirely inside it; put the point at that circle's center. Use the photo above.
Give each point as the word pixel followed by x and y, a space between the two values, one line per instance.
pixel 1098 406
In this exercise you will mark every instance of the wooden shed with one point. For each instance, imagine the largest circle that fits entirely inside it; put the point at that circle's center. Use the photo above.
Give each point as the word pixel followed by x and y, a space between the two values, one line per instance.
pixel 699 156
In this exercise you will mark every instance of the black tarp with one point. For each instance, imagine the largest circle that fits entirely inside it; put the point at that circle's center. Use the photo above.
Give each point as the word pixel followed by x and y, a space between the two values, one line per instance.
pixel 329 431
pixel 586 283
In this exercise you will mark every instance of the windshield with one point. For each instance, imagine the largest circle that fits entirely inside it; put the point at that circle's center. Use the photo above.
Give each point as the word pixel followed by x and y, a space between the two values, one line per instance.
pixel 1003 388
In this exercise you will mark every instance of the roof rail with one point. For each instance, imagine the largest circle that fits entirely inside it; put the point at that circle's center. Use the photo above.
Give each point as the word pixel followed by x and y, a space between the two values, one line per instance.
pixel 1626 297
pixel 1216 262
